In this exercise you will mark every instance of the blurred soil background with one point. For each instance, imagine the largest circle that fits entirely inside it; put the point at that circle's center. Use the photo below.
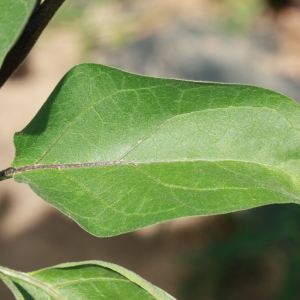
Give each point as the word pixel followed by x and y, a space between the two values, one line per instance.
pixel 247 255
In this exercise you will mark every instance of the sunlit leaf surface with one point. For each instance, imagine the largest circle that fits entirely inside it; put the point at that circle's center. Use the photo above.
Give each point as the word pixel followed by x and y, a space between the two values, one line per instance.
pixel 117 151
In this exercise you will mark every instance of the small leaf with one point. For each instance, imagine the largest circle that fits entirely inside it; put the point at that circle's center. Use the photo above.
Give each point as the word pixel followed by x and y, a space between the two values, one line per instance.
pixel 14 15
pixel 85 280
pixel 117 151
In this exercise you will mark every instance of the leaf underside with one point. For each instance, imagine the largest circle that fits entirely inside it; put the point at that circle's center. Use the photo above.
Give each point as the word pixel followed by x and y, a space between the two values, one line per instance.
pixel 13 16
pixel 85 280
pixel 117 151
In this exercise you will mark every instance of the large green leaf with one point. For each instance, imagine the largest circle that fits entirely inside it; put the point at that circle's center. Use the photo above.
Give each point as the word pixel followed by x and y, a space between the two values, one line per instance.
pixel 117 151
pixel 85 280
pixel 14 14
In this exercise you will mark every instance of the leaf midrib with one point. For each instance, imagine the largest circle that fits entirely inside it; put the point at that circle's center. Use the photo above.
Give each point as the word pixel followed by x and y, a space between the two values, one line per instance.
pixel 12 171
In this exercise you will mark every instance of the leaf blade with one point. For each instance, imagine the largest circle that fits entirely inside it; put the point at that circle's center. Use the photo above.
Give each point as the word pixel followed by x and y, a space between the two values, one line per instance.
pixel 117 151
pixel 14 15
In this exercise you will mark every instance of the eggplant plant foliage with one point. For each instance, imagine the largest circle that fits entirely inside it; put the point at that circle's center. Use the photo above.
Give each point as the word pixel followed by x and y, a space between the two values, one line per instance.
pixel 117 151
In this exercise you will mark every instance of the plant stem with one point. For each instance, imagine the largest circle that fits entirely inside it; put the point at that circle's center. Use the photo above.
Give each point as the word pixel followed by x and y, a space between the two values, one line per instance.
pixel 5 174
pixel 39 19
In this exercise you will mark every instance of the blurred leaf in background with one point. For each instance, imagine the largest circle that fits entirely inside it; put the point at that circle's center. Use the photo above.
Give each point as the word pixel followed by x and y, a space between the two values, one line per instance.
pixel 239 15
pixel 249 255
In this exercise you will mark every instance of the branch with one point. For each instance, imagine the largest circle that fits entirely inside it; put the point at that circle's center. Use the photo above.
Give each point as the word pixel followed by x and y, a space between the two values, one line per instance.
pixel 39 19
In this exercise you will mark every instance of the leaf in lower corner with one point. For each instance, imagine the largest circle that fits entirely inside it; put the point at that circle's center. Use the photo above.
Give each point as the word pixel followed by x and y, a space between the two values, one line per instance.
pixel 85 280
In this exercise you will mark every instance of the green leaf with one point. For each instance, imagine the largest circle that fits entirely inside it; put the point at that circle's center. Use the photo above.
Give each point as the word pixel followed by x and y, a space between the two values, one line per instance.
pixel 117 151
pixel 14 15
pixel 85 280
